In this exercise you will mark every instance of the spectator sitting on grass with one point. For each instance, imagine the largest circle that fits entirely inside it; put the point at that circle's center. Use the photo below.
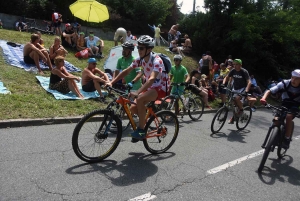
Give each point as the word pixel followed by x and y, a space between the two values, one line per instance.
pixel 57 49
pixel 81 44
pixel 41 41
pixel 33 52
pixel 20 26
pixel 92 82
pixel 61 80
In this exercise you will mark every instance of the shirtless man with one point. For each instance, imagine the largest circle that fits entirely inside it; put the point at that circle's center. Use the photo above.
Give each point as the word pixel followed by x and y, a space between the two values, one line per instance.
pixel 33 52
pixel 172 32
pixel 187 45
pixel 92 82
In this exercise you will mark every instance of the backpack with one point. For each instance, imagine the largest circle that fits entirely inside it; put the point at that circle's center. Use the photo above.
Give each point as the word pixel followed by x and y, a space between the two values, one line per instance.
pixel 166 60
pixel 291 95
pixel 167 63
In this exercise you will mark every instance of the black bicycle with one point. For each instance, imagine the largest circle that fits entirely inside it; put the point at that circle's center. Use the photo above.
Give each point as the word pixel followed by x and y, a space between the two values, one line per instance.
pixel 276 134
pixel 221 116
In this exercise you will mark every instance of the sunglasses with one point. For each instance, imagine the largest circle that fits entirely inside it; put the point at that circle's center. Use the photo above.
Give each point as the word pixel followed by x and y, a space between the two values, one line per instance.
pixel 140 48
pixel 176 60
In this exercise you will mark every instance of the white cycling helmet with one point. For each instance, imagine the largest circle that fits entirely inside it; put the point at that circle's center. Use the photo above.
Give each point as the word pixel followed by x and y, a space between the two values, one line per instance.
pixel 177 56
pixel 146 40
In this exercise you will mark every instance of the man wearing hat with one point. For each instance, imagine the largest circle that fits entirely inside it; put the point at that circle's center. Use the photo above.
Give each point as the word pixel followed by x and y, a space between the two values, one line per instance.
pixel 241 84
pixel 157 33
pixel 69 37
pixel 81 44
pixel 290 99
pixel 91 81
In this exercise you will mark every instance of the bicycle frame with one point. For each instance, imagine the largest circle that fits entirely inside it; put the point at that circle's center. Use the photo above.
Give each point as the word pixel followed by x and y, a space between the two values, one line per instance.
pixel 178 96
pixel 150 112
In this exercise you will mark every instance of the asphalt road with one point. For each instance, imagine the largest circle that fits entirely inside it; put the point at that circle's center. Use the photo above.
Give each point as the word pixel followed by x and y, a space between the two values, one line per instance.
pixel 38 163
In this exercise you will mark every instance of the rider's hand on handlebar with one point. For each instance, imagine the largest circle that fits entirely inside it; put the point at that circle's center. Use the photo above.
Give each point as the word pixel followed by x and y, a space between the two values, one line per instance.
pixel 263 101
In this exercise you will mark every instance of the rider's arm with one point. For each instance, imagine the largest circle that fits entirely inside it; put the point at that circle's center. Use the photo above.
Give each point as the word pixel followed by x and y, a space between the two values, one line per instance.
pixel 187 77
pixel 138 76
pixel 248 86
pixel 121 75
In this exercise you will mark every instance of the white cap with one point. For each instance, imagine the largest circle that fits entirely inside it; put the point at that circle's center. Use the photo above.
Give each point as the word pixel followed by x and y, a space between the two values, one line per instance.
pixel 296 73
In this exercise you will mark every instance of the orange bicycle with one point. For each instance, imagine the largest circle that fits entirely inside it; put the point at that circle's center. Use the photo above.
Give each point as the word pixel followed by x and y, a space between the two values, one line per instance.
pixel 98 134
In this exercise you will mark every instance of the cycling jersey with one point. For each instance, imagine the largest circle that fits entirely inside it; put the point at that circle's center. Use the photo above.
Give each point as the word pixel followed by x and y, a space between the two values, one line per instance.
pixel 288 91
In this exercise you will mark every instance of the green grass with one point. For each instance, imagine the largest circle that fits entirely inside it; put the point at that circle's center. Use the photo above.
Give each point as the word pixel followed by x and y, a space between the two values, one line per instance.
pixel 29 100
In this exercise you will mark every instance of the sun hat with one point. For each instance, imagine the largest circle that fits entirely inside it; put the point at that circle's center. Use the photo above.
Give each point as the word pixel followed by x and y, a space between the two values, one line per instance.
pixel 230 60
pixel 92 60
pixel 239 61
pixel 203 76
pixel 296 73
pixel 81 33
pixel 91 34
pixel 68 25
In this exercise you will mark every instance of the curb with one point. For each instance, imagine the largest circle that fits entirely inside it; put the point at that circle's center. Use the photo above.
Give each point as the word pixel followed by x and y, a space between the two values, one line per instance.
pixel 13 123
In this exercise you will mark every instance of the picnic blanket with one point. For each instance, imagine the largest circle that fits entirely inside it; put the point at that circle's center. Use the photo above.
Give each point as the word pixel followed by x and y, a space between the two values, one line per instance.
pixel 44 81
pixel 14 57
pixel 3 89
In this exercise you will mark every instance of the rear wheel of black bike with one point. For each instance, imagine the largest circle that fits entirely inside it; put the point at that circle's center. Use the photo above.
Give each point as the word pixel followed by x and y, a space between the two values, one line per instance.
pixel 170 103
pixel 243 121
pixel 119 111
pixel 195 107
pixel 94 137
pixel 161 132
pixel 219 120
pixel 281 151
pixel 271 143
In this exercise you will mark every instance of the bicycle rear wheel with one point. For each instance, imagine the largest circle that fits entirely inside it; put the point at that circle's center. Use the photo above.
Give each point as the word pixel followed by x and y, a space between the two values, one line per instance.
pixel 219 120
pixel 281 151
pixel 119 111
pixel 93 139
pixel 162 132
pixel 243 121
pixel 170 103
pixel 271 143
pixel 195 108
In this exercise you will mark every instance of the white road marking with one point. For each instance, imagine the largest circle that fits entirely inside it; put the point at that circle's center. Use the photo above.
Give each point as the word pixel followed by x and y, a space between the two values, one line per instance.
pixel 235 162
pixel 238 161
pixel 144 197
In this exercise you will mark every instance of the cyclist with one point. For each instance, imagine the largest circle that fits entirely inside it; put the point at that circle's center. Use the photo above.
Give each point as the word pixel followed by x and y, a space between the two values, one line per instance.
pixel 154 87
pixel 290 99
pixel 179 74
pixel 241 84
pixel 123 64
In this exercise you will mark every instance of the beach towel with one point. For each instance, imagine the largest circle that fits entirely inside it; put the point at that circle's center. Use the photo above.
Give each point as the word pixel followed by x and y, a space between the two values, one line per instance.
pixel 3 89
pixel 44 81
pixel 14 56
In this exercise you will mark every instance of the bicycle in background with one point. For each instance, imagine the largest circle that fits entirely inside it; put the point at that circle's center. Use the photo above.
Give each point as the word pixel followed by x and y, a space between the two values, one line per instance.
pixel 98 134
pixel 220 117
pixel 191 103
pixel 276 134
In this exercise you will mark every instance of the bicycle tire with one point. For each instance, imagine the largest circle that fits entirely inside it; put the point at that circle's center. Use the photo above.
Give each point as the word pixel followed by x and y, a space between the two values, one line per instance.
pixel 282 151
pixel 170 103
pixel 220 119
pixel 119 111
pixel 89 142
pixel 270 144
pixel 159 144
pixel 195 108
pixel 243 121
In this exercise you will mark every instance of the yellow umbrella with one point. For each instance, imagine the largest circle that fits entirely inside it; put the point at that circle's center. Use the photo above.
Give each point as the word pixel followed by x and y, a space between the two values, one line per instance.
pixel 89 10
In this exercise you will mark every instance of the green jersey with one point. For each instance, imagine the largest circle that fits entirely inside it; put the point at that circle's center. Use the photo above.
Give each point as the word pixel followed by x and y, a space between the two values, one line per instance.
pixel 124 63
pixel 178 74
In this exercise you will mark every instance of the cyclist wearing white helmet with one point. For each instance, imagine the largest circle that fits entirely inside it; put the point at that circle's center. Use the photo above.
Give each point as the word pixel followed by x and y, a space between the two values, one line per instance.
pixel 124 62
pixel 179 74
pixel 290 99
pixel 155 85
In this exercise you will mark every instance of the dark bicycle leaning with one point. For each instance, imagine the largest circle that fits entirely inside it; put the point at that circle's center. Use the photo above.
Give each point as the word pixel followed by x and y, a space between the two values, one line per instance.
pixel 276 134
pixel 191 103
pixel 221 115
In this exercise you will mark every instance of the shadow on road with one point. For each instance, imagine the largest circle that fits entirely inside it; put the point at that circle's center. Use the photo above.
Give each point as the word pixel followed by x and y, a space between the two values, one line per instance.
pixel 233 136
pixel 279 170
pixel 134 169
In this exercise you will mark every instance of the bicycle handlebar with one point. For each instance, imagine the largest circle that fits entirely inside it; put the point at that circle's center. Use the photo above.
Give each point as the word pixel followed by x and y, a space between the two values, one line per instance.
pixel 281 109
pixel 180 84
pixel 240 94
pixel 122 93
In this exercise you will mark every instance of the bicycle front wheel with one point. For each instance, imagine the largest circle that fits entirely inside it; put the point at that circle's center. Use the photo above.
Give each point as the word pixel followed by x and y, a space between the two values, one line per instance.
pixel 195 108
pixel 271 143
pixel 243 121
pixel 280 150
pixel 95 138
pixel 161 132
pixel 219 120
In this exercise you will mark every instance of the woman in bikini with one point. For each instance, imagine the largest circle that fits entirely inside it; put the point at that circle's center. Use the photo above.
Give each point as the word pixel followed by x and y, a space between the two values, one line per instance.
pixel 57 49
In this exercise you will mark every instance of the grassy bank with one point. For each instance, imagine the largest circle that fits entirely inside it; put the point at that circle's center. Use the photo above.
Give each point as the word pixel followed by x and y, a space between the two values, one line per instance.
pixel 29 100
